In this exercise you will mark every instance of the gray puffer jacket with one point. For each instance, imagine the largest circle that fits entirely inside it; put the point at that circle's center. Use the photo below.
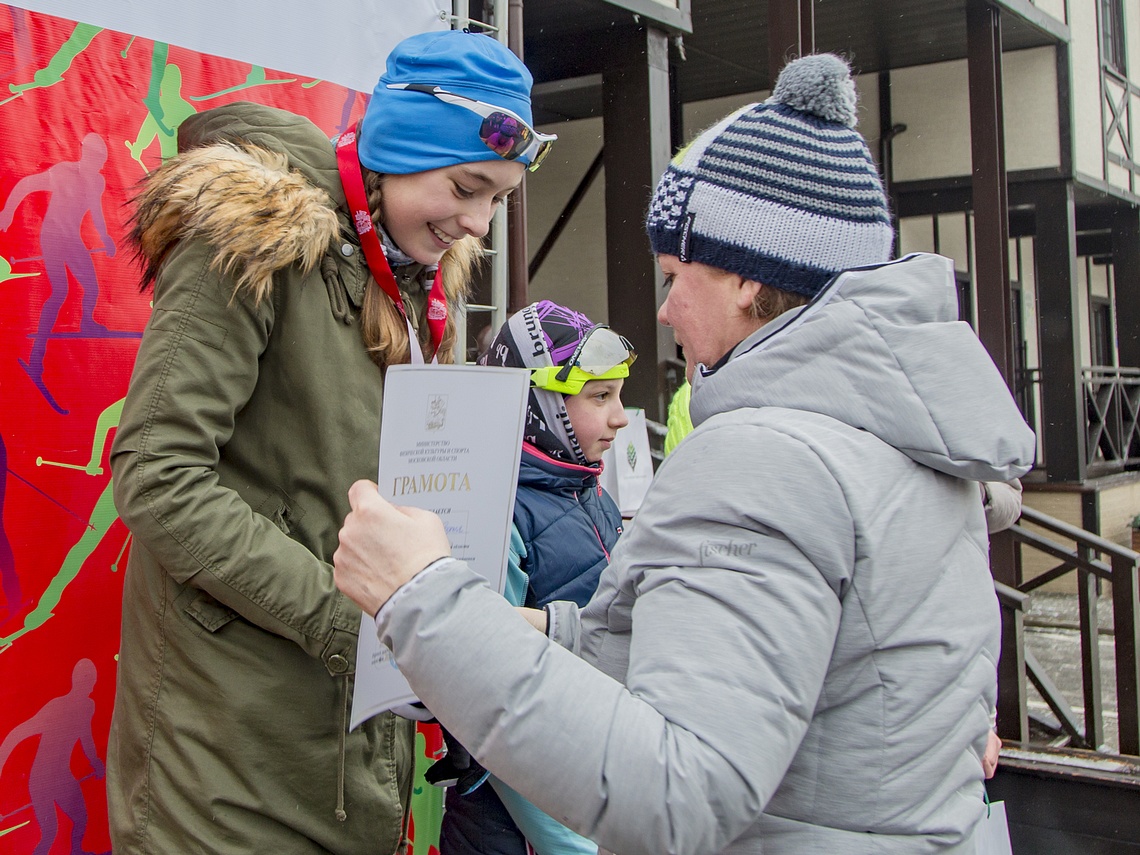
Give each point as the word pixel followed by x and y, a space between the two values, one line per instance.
pixel 794 648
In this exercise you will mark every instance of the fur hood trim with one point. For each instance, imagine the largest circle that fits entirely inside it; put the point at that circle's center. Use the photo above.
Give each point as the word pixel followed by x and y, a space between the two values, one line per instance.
pixel 244 201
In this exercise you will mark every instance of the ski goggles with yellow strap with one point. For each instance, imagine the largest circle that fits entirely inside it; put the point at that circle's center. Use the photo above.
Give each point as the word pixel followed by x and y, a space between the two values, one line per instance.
pixel 602 354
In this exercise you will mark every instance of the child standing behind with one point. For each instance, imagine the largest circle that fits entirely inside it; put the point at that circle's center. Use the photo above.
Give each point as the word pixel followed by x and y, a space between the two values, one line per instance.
pixel 564 527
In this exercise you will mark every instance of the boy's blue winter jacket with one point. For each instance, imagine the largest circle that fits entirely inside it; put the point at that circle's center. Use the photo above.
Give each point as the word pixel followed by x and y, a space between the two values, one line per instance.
pixel 569 525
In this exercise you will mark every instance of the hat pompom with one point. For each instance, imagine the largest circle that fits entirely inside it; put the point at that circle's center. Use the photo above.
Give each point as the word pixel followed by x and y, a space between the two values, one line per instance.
pixel 819 84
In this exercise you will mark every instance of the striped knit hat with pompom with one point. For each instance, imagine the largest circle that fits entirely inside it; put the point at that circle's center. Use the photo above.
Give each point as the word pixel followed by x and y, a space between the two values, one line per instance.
pixel 784 193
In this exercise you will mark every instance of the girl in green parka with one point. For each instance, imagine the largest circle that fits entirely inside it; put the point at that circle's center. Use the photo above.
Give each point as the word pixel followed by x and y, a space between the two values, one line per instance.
pixel 288 271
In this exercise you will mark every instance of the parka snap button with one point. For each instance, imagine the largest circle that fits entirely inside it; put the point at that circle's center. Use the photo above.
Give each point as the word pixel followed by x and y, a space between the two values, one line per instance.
pixel 338 664
pixel 347 250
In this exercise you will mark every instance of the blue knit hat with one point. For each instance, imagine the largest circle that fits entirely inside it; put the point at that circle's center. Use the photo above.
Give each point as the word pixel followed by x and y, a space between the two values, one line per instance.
pixel 784 193
pixel 406 131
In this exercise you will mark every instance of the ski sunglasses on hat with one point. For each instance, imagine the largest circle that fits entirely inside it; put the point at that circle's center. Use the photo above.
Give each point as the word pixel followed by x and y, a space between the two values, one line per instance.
pixel 504 132
pixel 602 354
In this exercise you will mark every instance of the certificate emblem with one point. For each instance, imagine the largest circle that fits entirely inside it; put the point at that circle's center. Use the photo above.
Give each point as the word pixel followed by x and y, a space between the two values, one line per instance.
pixel 436 412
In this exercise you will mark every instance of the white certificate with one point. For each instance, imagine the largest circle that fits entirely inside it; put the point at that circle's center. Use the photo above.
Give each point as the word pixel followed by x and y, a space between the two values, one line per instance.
pixel 450 440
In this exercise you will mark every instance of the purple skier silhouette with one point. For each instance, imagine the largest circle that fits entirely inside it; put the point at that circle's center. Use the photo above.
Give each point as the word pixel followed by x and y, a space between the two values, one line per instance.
pixel 76 190
pixel 60 724
pixel 22 49
pixel 9 581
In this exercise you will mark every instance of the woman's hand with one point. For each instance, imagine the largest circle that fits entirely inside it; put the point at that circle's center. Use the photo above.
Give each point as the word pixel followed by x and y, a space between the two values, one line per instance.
pixel 992 755
pixel 382 546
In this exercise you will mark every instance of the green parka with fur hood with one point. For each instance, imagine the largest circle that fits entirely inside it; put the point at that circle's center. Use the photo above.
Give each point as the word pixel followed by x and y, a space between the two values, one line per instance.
pixel 245 424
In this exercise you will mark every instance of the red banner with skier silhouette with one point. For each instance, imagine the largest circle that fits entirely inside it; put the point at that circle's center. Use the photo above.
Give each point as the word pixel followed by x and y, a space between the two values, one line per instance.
pixel 84 114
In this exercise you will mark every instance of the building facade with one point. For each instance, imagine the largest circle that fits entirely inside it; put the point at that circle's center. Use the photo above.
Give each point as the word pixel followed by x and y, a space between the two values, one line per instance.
pixel 1004 132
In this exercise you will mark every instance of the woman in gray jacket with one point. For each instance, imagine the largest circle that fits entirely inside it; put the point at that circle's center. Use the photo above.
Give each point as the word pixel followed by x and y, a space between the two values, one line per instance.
pixel 793 649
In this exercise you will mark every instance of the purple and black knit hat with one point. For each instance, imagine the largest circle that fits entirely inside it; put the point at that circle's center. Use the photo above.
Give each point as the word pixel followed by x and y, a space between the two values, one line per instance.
pixel 543 334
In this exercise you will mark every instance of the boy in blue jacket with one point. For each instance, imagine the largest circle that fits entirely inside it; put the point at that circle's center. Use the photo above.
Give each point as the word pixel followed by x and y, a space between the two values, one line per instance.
pixel 563 529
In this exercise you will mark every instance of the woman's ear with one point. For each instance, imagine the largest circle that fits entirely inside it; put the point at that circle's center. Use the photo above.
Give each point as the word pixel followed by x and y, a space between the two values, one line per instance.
pixel 746 295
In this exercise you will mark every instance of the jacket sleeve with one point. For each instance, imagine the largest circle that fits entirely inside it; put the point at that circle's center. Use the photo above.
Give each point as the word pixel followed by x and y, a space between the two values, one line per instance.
pixel 736 580
pixel 196 368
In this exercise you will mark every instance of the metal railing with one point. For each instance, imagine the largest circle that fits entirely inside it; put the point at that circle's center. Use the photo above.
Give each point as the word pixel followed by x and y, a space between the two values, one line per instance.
pixel 1118 106
pixel 1027 394
pixel 1111 400
pixel 1112 416
pixel 657 433
pixel 1095 562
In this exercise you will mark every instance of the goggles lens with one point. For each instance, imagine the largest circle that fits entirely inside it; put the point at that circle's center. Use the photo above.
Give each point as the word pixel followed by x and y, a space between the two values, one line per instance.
pixel 502 131
pixel 601 354
pixel 600 350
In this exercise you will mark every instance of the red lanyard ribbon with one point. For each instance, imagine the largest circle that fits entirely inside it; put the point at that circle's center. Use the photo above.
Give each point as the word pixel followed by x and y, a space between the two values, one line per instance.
pixel 351 179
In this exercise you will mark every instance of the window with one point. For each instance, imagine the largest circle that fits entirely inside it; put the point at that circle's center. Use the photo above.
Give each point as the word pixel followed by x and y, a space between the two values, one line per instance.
pixel 1112 34
pixel 1101 322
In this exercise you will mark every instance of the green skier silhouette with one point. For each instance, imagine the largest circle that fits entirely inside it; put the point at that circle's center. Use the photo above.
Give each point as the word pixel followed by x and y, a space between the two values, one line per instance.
pixel 102 515
pixel 53 72
pixel 256 77
pixel 163 124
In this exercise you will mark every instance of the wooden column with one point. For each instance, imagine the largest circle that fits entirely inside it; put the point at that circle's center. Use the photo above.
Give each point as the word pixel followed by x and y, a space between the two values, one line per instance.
pixel 1062 392
pixel 990 201
pixel 636 130
pixel 518 279
pixel 887 133
pixel 1126 632
pixel 791 33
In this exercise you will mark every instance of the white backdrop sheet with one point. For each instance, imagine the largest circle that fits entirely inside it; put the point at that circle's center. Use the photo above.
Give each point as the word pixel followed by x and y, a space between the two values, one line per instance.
pixel 343 42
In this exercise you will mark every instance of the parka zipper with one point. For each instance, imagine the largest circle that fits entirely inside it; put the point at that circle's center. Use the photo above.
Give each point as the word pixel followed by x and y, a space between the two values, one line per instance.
pixel 341 815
